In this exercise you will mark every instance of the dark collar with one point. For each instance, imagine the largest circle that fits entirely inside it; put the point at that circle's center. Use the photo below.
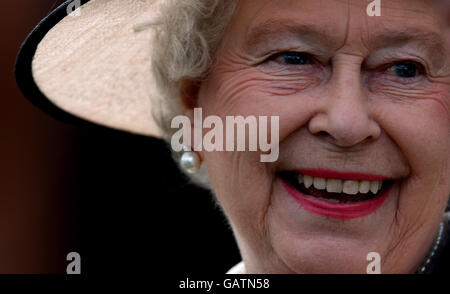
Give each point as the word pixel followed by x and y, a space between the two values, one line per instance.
pixel 440 262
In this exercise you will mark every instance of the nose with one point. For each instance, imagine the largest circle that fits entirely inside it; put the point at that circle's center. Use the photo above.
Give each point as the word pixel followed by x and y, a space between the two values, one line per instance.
pixel 344 118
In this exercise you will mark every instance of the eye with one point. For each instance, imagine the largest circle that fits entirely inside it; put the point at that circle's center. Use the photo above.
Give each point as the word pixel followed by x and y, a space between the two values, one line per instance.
pixel 405 70
pixel 293 58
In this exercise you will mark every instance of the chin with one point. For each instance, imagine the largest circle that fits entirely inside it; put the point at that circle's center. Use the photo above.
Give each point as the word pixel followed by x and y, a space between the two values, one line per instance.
pixel 316 228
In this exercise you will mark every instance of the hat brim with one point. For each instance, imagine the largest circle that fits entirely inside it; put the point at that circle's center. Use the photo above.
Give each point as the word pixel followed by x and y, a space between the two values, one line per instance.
pixel 92 65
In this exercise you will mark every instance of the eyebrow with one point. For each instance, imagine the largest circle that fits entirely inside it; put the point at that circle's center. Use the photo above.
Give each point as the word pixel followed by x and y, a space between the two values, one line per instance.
pixel 430 40
pixel 315 36
pixel 273 29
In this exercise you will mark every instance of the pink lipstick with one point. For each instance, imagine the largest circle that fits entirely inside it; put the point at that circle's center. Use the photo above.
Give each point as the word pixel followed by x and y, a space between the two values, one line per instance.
pixel 344 210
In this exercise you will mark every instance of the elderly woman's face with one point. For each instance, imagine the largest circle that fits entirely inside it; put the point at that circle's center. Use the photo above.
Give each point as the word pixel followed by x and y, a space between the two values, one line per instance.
pixel 358 98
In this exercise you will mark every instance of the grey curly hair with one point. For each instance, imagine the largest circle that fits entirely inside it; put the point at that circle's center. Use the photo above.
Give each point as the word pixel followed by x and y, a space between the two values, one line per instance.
pixel 188 33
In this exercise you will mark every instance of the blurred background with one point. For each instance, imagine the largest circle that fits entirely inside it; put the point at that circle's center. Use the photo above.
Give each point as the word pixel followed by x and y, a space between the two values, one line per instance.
pixel 116 199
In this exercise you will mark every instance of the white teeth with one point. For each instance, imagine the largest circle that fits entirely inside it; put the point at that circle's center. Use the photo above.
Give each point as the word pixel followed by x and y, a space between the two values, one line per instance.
pixel 307 181
pixel 320 183
pixel 350 187
pixel 364 186
pixel 374 185
pixel 334 186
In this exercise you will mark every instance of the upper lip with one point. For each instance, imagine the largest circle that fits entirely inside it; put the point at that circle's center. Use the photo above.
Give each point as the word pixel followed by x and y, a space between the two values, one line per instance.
pixel 333 174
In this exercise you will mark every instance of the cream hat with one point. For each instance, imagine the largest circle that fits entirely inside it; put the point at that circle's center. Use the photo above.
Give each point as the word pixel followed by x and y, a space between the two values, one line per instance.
pixel 92 62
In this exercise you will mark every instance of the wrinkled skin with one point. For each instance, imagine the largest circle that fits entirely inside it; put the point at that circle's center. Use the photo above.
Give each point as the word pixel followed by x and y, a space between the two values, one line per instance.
pixel 346 109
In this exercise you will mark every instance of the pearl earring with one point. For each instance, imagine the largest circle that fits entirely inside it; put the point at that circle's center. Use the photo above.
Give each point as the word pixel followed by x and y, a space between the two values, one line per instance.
pixel 190 161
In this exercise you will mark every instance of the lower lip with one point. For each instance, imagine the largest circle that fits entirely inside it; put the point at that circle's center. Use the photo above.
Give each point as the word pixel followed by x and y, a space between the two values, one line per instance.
pixel 336 210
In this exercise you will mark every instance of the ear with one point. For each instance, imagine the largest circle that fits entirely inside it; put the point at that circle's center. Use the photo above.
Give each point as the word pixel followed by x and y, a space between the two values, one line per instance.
pixel 189 91
pixel 189 95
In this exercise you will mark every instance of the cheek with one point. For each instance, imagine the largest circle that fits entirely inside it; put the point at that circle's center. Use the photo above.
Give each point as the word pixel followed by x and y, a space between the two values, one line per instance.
pixel 243 187
pixel 421 128
pixel 250 92
pixel 242 183
pixel 421 131
pixel 244 198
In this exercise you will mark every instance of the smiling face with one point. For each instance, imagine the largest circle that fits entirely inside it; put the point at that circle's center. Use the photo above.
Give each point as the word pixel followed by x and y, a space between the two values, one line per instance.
pixel 361 101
